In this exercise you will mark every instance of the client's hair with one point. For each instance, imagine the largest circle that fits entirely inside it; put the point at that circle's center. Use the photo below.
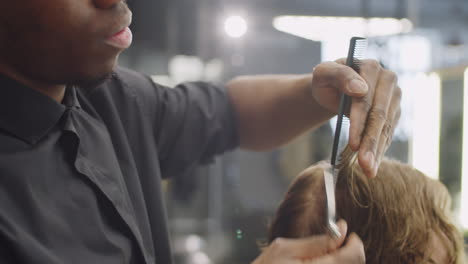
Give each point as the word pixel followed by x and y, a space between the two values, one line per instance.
pixel 397 214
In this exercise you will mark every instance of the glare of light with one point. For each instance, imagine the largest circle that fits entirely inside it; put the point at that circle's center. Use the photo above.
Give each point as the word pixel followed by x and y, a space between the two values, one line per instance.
pixel 235 26
pixel 425 142
pixel 200 258
pixel 414 53
pixel 464 180
pixel 186 68
pixel 322 28
pixel 193 243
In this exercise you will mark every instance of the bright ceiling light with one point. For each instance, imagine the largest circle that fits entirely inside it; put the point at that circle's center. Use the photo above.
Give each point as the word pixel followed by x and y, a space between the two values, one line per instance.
pixel 235 26
pixel 322 28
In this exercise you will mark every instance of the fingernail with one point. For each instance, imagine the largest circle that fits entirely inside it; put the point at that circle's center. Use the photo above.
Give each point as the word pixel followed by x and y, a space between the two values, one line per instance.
pixel 357 86
pixel 370 160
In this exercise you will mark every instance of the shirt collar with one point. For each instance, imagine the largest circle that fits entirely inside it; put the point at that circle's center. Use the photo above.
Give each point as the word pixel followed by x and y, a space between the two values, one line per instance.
pixel 29 114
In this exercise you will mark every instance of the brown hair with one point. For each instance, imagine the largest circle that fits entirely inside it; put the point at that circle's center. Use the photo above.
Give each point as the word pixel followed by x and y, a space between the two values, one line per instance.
pixel 396 214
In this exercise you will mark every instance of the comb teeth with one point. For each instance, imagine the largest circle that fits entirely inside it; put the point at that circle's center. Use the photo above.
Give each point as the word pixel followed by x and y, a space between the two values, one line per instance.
pixel 356 54
pixel 346 120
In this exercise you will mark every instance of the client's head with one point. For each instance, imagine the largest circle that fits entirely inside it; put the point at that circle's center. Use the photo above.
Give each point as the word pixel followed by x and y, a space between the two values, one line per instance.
pixel 402 216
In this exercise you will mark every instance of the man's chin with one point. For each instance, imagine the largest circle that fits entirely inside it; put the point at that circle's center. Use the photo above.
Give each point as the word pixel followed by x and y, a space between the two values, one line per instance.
pixel 93 75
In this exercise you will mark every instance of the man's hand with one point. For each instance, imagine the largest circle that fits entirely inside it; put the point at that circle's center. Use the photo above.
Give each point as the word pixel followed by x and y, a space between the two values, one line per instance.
pixel 314 250
pixel 375 108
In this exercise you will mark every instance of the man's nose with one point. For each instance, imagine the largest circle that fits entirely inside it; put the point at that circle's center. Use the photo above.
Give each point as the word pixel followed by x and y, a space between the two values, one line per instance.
pixel 106 4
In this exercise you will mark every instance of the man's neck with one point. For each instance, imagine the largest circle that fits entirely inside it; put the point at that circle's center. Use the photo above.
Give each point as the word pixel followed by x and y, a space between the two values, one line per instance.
pixel 56 92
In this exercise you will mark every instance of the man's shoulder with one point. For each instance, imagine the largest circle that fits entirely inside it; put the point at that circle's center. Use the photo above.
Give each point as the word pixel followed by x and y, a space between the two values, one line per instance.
pixel 122 83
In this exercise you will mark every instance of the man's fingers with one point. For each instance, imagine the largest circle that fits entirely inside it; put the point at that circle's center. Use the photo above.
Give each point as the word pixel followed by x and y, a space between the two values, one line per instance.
pixel 388 130
pixel 314 250
pixel 360 107
pixel 377 118
pixel 351 253
pixel 358 118
pixel 308 248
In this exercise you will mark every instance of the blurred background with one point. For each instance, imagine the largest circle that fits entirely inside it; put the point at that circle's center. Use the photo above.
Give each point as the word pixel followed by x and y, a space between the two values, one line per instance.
pixel 221 213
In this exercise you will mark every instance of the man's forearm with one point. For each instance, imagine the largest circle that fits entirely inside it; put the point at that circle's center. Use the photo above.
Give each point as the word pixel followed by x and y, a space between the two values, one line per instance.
pixel 271 110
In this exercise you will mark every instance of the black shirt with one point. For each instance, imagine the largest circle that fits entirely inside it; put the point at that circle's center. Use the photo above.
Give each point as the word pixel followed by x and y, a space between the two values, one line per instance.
pixel 80 182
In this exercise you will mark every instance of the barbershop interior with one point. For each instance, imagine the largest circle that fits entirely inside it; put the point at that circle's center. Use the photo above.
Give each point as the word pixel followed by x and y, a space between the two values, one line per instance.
pixel 222 213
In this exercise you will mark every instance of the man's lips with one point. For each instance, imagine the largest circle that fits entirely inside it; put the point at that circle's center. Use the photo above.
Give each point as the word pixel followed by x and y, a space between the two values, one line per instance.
pixel 121 39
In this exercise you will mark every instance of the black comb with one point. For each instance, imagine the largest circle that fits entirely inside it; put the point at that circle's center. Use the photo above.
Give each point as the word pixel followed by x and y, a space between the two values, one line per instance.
pixel 357 48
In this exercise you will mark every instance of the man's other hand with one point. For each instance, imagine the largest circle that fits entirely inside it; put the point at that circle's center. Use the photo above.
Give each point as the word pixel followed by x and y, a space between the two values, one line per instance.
pixel 321 249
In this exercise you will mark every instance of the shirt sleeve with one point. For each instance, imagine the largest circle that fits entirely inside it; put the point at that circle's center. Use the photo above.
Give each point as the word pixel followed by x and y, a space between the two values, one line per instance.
pixel 193 122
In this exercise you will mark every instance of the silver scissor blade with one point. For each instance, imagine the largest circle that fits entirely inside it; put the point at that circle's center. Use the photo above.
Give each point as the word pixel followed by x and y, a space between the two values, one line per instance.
pixel 342 142
pixel 330 180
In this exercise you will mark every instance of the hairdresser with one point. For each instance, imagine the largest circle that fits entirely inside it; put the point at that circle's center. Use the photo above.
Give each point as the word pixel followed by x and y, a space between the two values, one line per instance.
pixel 84 144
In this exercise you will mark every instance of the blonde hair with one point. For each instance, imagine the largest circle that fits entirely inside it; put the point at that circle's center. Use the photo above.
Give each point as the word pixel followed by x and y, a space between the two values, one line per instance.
pixel 395 214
